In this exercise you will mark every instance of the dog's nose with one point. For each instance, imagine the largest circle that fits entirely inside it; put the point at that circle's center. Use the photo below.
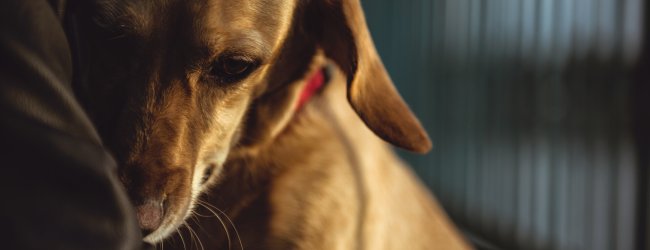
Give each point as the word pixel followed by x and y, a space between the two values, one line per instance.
pixel 150 214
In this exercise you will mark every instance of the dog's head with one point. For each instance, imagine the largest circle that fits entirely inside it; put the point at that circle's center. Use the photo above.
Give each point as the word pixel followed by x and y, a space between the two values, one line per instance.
pixel 174 85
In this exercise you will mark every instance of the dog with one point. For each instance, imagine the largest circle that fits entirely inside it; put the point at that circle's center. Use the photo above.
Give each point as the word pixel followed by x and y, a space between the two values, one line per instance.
pixel 271 114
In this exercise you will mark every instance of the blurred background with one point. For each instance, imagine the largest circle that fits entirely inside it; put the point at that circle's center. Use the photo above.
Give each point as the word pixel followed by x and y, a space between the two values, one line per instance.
pixel 539 111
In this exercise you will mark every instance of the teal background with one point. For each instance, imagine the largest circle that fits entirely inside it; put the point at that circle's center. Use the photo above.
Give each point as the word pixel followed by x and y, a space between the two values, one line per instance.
pixel 530 105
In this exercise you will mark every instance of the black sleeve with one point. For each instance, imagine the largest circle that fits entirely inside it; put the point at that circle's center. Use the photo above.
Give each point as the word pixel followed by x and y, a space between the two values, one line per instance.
pixel 57 183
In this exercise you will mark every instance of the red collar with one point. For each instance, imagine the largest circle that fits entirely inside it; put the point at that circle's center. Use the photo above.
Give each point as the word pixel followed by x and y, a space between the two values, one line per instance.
pixel 315 83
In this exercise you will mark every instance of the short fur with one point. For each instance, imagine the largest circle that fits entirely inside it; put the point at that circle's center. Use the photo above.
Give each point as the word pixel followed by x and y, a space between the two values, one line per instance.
pixel 317 177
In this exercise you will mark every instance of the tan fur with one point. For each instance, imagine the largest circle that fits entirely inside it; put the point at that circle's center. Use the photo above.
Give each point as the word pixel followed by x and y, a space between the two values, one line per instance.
pixel 311 178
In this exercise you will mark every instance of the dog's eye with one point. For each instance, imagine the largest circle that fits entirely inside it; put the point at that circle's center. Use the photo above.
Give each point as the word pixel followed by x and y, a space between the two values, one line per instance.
pixel 233 68
pixel 207 173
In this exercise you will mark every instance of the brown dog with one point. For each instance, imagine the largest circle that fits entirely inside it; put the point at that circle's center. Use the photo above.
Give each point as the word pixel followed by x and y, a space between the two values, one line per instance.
pixel 216 96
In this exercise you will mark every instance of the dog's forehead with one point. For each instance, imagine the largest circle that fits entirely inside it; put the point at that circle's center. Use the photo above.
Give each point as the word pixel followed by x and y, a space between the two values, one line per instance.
pixel 259 21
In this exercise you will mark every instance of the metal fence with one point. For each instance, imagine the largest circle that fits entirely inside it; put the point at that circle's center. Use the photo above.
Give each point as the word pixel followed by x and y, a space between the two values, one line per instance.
pixel 530 104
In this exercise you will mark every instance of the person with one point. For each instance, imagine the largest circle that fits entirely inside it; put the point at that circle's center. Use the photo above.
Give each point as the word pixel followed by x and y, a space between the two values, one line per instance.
pixel 59 185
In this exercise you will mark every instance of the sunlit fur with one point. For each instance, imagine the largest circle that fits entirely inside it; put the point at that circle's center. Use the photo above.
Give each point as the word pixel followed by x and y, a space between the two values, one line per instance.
pixel 281 177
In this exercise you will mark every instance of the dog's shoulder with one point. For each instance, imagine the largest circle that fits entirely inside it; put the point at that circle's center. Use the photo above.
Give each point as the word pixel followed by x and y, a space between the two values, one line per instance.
pixel 343 187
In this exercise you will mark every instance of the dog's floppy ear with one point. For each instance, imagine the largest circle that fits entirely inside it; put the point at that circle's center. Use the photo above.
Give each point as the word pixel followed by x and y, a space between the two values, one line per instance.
pixel 339 28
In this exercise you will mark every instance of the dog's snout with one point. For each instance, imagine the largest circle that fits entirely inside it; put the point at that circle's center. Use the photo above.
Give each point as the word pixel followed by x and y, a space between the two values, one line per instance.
pixel 150 215
pixel 158 194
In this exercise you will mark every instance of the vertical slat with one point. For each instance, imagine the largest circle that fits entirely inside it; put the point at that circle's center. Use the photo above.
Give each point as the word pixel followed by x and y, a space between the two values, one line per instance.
pixel 601 195
pixel 560 188
pixel 526 149
pixel 577 202
pixel 541 165
pixel 633 29
pixel 545 33
pixel 441 101
pixel 427 86
pixel 585 26
pixel 509 130
pixel 560 161
pixel 463 135
pixel 456 22
pixel 564 29
pixel 482 117
pixel 471 186
pixel 528 31
pixel 491 28
pixel 590 137
pixel 606 29
pixel 577 150
pixel 625 228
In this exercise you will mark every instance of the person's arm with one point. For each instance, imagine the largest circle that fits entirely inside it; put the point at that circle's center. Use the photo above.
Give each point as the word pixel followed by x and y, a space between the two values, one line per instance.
pixel 57 183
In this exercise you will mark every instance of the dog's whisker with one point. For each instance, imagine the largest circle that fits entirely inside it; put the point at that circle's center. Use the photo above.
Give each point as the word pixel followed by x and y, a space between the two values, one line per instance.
pixel 223 224
pixel 182 240
pixel 227 217
pixel 184 225
pixel 194 234
pixel 194 217
pixel 200 215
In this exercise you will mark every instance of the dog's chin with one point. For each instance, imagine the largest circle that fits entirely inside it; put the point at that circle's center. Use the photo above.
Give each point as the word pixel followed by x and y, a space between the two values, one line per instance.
pixel 156 236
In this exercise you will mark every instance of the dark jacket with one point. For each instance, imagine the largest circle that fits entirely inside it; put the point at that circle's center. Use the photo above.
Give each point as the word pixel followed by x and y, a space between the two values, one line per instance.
pixel 58 185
